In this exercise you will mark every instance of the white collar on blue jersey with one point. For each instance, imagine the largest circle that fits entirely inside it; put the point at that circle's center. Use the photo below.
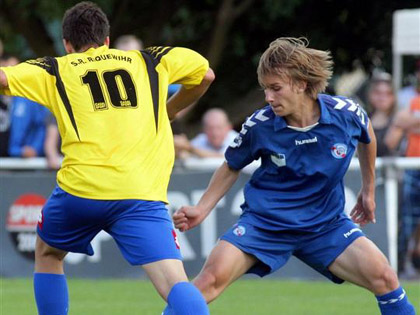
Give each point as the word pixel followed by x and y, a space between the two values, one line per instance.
pixel 325 118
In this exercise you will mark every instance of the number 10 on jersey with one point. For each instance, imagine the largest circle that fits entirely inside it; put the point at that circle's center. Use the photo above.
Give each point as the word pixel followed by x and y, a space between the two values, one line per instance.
pixel 118 84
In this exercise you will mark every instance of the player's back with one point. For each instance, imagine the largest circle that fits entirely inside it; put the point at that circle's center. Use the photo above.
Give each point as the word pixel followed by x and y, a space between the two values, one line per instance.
pixel 110 107
pixel 112 124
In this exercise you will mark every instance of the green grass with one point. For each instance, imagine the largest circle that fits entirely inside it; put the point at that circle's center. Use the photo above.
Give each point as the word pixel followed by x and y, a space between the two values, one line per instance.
pixel 245 297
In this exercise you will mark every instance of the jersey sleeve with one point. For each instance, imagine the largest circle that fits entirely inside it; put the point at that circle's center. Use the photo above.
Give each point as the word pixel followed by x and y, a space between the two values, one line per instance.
pixel 352 115
pixel 361 123
pixel 240 152
pixel 185 66
pixel 29 80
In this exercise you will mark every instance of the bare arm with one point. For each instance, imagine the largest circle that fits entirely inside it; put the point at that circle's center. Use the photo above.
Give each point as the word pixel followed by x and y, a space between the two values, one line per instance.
pixel 186 97
pixel 3 81
pixel 51 147
pixel 222 180
pixel 364 210
pixel 393 137
pixel 407 121
pixel 182 144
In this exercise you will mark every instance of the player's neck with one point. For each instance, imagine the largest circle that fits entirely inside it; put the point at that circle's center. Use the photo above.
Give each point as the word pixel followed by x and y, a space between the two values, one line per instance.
pixel 306 114
pixel 86 48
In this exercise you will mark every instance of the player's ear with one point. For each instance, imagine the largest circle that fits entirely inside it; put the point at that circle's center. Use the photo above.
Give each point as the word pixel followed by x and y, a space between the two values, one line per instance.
pixel 106 41
pixel 301 86
pixel 68 46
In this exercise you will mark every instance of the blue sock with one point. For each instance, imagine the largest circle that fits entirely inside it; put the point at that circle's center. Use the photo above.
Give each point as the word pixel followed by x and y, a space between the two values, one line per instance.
pixel 186 299
pixel 51 294
pixel 395 303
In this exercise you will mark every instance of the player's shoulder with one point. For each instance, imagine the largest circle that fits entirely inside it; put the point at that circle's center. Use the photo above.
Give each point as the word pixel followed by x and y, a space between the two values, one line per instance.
pixel 156 53
pixel 260 119
pixel 49 64
pixel 342 108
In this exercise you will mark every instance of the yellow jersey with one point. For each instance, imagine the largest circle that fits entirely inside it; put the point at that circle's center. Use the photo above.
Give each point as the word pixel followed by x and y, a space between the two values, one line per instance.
pixel 110 107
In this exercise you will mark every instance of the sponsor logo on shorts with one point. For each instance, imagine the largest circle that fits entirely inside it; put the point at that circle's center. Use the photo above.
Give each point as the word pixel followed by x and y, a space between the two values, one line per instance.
pixel 23 216
pixel 346 235
pixel 239 230
pixel 175 239
pixel 339 150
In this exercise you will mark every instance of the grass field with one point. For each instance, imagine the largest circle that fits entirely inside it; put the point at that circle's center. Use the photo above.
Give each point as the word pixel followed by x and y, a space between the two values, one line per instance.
pixel 245 297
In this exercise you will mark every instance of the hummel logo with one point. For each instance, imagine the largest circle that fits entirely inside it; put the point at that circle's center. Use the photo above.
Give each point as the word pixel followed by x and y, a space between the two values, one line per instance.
pixel 346 235
pixel 306 141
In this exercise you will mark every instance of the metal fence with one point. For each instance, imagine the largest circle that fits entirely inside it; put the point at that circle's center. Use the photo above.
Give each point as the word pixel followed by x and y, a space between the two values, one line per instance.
pixel 26 184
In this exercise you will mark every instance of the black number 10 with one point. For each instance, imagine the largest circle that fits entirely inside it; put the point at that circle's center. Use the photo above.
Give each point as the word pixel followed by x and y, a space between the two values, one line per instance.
pixel 119 85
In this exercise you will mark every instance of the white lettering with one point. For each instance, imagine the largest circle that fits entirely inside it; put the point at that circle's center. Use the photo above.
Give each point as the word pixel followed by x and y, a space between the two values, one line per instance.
pixel 28 213
pixel 346 235
pixel 26 242
pixel 306 141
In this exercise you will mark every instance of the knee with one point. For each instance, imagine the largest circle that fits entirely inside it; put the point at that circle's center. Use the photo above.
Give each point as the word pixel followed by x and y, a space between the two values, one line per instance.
pixel 211 282
pixel 48 259
pixel 384 280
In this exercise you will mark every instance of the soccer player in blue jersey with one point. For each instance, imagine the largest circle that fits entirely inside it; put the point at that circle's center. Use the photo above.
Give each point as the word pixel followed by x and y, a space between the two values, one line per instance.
pixel 294 202
pixel 114 120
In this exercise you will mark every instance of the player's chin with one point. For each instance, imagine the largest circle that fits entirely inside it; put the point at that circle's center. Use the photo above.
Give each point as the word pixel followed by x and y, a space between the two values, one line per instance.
pixel 278 110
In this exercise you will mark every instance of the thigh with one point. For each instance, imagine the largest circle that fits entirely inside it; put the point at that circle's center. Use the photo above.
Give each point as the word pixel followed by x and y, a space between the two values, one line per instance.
pixel 362 263
pixel 320 249
pixel 69 223
pixel 272 249
pixel 164 274
pixel 144 233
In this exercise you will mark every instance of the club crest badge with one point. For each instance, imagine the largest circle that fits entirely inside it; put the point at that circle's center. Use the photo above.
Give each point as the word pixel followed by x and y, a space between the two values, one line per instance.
pixel 339 150
pixel 239 230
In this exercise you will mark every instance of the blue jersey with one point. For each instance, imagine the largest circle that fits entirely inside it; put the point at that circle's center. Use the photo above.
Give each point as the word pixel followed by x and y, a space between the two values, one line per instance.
pixel 299 185
pixel 27 126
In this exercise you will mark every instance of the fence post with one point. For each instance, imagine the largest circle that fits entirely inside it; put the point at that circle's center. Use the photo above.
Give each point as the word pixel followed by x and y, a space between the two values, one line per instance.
pixel 391 205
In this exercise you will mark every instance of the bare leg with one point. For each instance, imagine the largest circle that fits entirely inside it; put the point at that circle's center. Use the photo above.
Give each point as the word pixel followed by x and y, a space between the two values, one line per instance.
pixel 170 280
pixel 164 274
pixel 362 263
pixel 225 264
pixel 50 285
pixel 48 259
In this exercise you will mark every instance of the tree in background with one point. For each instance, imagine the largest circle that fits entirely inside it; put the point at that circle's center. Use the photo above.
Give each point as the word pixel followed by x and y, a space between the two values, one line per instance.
pixel 231 33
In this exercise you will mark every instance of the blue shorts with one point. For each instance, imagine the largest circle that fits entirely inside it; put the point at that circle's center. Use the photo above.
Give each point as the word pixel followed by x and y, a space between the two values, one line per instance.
pixel 142 229
pixel 274 248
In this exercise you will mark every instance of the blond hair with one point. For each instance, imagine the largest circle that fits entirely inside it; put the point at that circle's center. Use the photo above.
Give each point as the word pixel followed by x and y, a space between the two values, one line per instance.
pixel 292 59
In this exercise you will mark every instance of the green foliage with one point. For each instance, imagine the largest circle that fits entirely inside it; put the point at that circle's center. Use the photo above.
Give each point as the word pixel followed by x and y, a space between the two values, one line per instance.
pixel 350 29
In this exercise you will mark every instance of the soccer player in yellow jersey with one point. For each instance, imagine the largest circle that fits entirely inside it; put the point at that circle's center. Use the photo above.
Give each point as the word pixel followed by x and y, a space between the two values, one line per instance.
pixel 114 122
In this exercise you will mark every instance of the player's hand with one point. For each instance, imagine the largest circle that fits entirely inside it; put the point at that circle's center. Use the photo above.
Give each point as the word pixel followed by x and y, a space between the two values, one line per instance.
pixel 186 218
pixel 28 152
pixel 364 210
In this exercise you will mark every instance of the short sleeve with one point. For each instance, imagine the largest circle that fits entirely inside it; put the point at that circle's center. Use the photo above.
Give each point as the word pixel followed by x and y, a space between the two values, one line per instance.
pixel 29 80
pixel 361 123
pixel 185 66
pixel 240 152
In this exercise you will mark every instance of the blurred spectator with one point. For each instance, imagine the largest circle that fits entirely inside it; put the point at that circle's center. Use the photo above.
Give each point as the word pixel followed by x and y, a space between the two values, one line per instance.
pixel 381 106
pixel 408 122
pixel 216 137
pixel 128 42
pixel 4 124
pixel 27 128
pixel 406 94
pixel 52 143
pixel 5 107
